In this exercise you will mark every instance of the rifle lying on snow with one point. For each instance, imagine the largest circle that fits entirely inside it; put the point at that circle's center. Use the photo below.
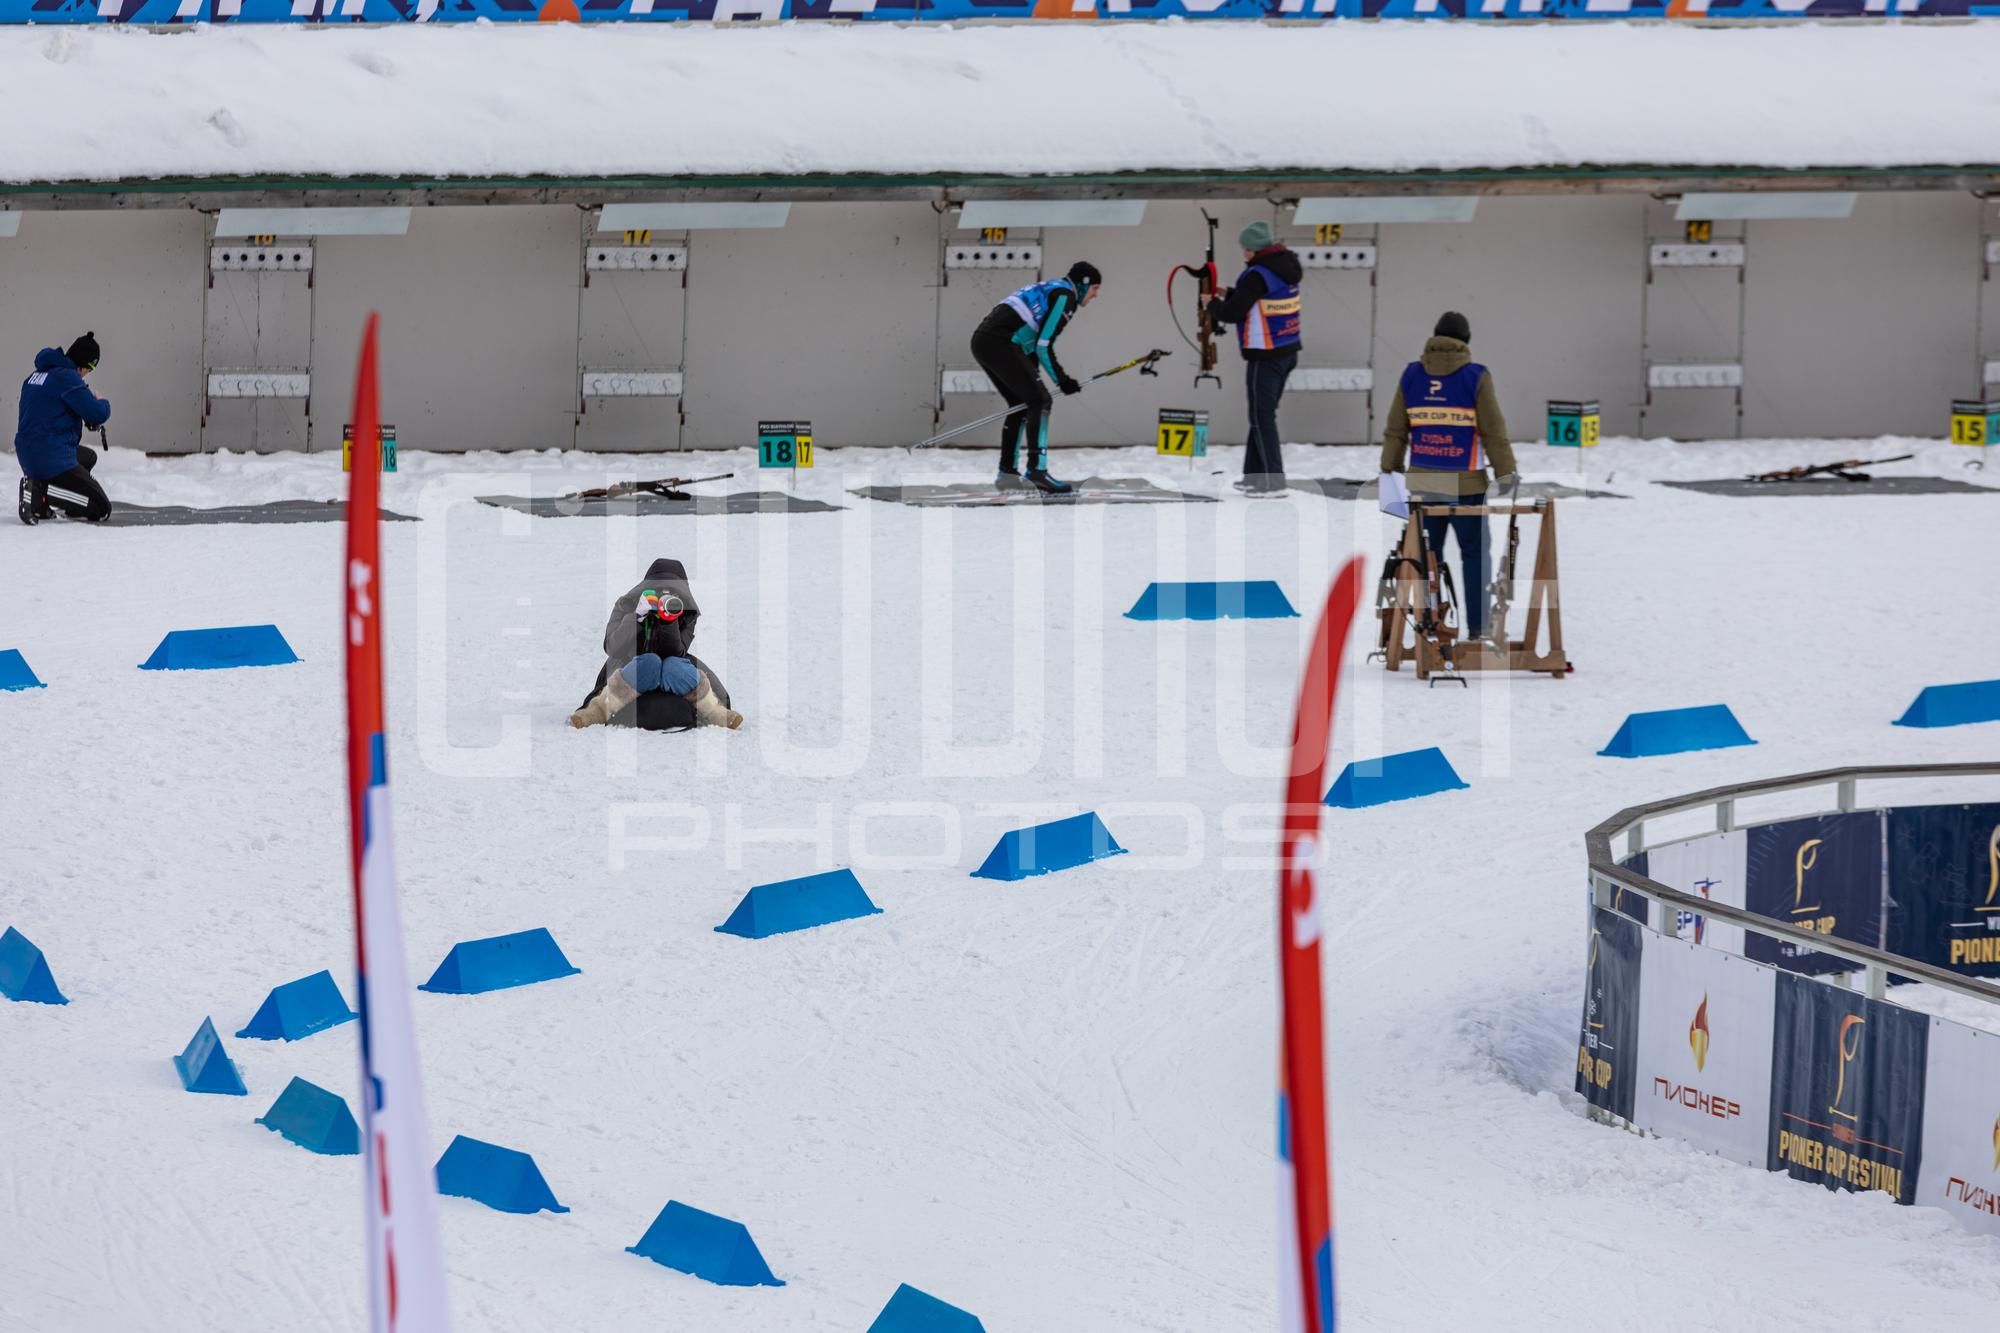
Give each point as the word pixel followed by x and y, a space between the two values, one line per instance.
pixel 666 488
pixel 1844 470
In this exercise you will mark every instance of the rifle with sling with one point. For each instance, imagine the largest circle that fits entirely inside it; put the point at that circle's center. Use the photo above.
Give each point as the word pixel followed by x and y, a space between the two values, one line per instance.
pixel 665 488
pixel 1207 282
pixel 1503 586
pixel 1845 470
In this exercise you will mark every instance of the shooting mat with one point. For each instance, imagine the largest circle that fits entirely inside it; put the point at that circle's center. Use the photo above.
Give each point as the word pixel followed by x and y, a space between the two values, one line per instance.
pixel 738 502
pixel 1089 491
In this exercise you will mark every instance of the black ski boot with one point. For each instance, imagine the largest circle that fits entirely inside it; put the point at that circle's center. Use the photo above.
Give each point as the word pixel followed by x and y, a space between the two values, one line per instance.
pixel 1040 479
pixel 27 506
pixel 1009 480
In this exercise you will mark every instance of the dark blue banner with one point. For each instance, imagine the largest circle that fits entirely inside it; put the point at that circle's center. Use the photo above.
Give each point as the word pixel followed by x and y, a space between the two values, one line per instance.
pixel 1847 1089
pixel 1822 874
pixel 168 12
pixel 1625 901
pixel 1607 1051
pixel 1944 886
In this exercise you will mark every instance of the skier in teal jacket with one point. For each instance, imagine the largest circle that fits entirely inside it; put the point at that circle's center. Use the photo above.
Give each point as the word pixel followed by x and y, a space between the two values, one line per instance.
pixel 1016 345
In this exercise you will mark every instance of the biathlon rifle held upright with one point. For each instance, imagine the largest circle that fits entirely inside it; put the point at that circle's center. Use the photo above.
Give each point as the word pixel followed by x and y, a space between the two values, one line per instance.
pixel 1206 283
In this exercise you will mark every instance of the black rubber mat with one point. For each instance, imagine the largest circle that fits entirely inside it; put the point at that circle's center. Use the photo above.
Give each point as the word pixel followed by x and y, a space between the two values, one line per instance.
pixel 1336 488
pixel 739 502
pixel 1089 491
pixel 1834 486
pixel 276 511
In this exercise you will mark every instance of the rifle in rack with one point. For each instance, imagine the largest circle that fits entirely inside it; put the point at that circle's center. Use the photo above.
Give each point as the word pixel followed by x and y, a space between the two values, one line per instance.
pixel 1439 621
pixel 1420 598
pixel 665 488
pixel 1502 600
pixel 1845 470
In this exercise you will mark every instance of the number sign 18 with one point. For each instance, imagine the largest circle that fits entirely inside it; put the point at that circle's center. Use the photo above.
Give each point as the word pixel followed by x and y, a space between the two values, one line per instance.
pixel 784 444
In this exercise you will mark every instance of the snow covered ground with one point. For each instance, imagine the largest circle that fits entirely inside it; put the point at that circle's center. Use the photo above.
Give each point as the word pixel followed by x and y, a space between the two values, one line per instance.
pixel 1049 1102
pixel 620 100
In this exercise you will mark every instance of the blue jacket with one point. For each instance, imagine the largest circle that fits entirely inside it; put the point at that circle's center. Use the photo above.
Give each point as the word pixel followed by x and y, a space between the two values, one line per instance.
pixel 1045 309
pixel 55 407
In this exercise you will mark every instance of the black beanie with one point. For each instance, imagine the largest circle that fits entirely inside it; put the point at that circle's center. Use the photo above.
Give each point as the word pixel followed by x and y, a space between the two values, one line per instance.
pixel 1085 275
pixel 1451 324
pixel 83 353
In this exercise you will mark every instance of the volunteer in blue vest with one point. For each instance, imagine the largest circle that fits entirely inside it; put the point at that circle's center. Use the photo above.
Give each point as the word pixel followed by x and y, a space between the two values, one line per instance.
pixel 1015 344
pixel 1264 307
pixel 1445 426
pixel 56 405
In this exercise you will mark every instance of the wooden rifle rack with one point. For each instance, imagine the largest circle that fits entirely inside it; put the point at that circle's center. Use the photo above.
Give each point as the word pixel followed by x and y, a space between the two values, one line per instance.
pixel 1405 608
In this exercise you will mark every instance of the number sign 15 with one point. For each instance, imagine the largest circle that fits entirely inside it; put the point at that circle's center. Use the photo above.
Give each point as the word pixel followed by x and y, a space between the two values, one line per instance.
pixel 1975 423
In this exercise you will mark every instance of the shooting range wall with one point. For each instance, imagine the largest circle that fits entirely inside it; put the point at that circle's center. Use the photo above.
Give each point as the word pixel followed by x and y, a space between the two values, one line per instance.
pixel 853 314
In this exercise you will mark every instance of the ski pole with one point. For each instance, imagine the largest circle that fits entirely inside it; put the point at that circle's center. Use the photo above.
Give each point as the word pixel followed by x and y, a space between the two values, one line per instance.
pixel 956 431
pixel 1144 364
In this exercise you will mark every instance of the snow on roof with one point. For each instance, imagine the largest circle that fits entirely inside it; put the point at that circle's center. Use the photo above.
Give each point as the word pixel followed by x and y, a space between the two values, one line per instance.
pixel 1051 99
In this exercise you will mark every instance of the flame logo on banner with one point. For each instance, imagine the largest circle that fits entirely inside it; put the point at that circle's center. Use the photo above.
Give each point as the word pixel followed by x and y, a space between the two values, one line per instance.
pixel 1698 1035
pixel 1851 1023
pixel 1806 859
pixel 1996 1145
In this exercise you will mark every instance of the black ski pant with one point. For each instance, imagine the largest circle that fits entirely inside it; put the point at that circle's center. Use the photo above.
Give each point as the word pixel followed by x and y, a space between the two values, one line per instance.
pixel 1264 384
pixel 1472 555
pixel 75 492
pixel 1019 381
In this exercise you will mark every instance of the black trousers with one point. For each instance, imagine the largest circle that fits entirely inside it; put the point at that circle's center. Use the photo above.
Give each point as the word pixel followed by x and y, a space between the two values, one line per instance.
pixel 1264 383
pixel 1472 553
pixel 1015 374
pixel 75 492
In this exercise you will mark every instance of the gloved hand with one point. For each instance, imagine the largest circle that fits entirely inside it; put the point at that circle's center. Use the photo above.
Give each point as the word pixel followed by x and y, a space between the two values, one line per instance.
pixel 1069 386
pixel 678 675
pixel 1510 483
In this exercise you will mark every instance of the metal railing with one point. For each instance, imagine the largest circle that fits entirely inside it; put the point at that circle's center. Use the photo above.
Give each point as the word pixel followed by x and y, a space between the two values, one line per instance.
pixel 1607 876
